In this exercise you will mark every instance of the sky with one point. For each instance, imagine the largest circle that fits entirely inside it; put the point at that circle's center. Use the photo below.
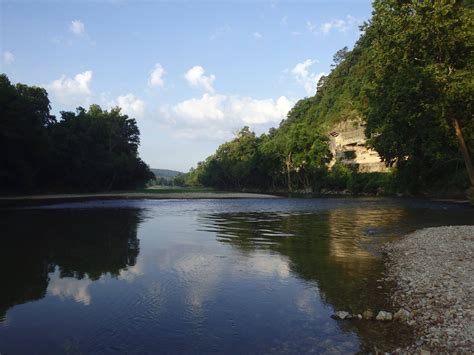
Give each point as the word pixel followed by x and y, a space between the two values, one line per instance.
pixel 192 73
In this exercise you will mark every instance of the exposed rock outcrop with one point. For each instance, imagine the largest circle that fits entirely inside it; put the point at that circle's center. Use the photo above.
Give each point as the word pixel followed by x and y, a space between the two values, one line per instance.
pixel 348 144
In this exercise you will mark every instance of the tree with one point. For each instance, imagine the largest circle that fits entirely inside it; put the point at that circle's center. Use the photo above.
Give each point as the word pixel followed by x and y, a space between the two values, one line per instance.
pixel 24 142
pixel 340 55
pixel 307 155
pixel 423 60
pixel 96 150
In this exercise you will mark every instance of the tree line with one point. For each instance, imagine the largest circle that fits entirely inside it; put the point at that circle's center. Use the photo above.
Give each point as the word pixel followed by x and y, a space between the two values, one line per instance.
pixel 408 78
pixel 86 150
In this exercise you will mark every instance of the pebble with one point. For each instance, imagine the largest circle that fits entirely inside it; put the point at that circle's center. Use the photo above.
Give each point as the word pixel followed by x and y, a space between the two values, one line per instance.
pixel 383 315
pixel 368 314
pixel 402 315
pixel 342 315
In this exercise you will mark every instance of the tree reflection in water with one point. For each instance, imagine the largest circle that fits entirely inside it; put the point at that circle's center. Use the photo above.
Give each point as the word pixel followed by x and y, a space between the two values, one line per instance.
pixel 79 244
pixel 330 250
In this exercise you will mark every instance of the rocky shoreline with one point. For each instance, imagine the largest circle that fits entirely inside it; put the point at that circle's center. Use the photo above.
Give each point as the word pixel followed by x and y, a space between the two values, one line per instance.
pixel 433 273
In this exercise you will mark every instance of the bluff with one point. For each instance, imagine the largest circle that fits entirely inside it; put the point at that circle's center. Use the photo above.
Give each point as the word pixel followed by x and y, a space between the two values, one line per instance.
pixel 348 145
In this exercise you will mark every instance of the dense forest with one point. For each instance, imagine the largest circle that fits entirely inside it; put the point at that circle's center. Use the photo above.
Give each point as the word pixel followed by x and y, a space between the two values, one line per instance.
pixel 408 78
pixel 86 150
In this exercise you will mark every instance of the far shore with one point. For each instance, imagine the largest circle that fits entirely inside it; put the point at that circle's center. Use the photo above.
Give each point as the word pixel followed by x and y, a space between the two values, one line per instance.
pixel 179 193
pixel 7 201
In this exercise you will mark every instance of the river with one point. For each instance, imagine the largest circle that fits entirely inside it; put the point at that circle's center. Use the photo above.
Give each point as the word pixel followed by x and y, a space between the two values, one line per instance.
pixel 200 276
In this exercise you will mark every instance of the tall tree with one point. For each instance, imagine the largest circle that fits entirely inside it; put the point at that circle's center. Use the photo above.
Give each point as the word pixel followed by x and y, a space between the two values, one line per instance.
pixel 24 142
pixel 422 93
pixel 97 149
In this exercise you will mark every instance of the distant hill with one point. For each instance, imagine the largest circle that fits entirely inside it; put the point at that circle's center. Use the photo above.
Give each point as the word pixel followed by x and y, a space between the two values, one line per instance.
pixel 165 173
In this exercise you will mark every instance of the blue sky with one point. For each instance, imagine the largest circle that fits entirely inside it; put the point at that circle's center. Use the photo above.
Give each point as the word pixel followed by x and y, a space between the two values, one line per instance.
pixel 192 73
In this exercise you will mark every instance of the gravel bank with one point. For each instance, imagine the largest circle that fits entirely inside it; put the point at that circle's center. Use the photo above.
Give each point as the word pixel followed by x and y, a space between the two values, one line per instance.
pixel 433 270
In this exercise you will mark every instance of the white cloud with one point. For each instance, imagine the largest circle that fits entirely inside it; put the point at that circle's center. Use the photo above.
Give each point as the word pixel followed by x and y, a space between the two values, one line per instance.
pixel 8 57
pixel 77 27
pixel 207 108
pixel 130 105
pixel 304 77
pixel 254 111
pixel 257 35
pixel 72 91
pixel 156 76
pixel 341 25
pixel 196 78
pixel 311 26
pixel 216 116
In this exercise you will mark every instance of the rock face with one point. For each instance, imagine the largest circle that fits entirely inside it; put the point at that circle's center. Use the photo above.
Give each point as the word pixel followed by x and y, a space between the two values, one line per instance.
pixel 348 144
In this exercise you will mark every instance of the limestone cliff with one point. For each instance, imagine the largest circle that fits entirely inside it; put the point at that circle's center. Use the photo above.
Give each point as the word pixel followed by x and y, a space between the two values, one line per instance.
pixel 348 145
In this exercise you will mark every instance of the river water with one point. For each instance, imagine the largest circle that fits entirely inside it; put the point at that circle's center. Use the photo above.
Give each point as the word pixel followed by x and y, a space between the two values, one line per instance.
pixel 200 276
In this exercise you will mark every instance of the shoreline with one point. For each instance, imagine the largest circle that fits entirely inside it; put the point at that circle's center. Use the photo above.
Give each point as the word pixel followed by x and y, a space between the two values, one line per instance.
pixel 433 273
pixel 13 201
pixel 39 199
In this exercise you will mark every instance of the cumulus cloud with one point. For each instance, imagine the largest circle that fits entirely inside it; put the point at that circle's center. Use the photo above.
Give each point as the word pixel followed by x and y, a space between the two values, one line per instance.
pixel 156 76
pixel 72 91
pixel 217 116
pixel 8 57
pixel 304 77
pixel 196 78
pixel 207 108
pixel 257 35
pixel 130 105
pixel 341 25
pixel 77 27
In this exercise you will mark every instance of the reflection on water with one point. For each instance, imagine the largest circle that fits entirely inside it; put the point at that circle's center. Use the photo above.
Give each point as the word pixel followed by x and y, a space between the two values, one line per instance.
pixel 202 276
pixel 63 252
pixel 328 250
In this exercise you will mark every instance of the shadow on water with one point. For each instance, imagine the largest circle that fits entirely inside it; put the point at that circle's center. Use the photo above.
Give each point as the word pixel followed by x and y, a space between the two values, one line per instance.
pixel 37 243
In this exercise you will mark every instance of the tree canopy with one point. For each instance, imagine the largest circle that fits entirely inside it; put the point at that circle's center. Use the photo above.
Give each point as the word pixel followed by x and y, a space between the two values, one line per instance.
pixel 89 150
pixel 423 65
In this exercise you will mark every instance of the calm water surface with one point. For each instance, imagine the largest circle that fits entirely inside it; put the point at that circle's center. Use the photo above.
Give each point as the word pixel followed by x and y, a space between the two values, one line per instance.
pixel 227 276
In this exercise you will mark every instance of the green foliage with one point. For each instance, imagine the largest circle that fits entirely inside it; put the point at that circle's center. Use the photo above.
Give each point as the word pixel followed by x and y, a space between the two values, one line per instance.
pixel 24 140
pixel 423 60
pixel 89 150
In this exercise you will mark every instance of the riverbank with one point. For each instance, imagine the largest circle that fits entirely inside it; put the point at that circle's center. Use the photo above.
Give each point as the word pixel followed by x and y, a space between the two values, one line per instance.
pixel 433 271
pixel 7 201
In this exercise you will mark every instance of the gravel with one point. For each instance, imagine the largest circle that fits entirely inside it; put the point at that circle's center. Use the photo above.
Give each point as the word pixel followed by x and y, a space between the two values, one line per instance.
pixel 433 273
